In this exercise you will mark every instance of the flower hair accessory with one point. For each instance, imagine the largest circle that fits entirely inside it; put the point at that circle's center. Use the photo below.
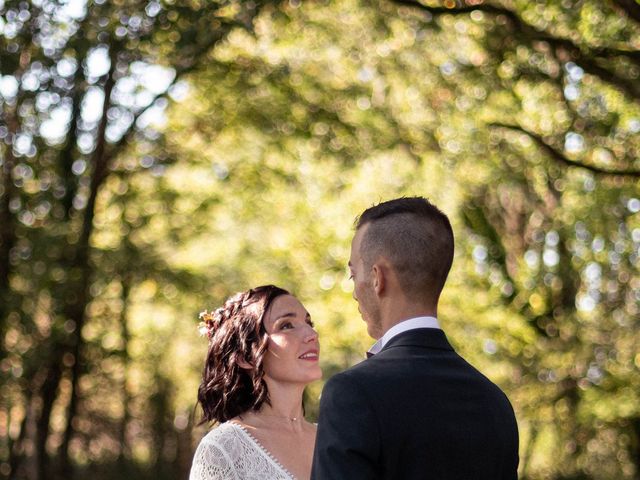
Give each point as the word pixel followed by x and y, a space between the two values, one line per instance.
pixel 208 321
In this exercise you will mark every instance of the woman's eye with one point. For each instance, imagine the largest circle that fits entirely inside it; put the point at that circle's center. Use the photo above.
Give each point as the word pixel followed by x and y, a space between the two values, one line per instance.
pixel 286 326
pixel 311 324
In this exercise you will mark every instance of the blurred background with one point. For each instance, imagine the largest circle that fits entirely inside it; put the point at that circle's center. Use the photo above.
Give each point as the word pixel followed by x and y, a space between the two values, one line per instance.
pixel 157 156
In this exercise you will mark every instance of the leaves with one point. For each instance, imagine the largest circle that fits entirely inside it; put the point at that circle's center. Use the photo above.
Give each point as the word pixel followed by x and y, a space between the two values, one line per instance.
pixel 157 157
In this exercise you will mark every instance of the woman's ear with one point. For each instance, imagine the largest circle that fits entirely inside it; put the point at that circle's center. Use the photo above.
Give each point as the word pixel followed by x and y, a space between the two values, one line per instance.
pixel 242 363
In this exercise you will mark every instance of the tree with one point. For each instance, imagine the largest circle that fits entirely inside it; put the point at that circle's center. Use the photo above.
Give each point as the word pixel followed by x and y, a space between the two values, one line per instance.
pixel 563 122
pixel 519 118
pixel 79 83
pixel 537 121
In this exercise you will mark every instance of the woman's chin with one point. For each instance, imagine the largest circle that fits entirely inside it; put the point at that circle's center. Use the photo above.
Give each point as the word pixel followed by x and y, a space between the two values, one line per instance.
pixel 314 376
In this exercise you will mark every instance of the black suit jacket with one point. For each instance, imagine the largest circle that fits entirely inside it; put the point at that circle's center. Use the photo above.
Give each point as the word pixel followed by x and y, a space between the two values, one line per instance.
pixel 416 410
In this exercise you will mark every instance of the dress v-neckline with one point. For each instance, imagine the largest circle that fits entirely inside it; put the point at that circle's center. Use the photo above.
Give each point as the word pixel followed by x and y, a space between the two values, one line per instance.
pixel 262 449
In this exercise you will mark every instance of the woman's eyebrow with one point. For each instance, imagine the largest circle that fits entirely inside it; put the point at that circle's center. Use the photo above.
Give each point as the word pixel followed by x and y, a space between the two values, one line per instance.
pixel 285 315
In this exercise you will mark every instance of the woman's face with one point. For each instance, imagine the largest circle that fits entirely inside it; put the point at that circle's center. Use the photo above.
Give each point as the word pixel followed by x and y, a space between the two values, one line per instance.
pixel 293 350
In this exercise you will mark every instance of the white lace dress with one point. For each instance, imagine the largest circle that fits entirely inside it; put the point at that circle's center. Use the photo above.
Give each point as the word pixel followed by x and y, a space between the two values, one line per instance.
pixel 229 452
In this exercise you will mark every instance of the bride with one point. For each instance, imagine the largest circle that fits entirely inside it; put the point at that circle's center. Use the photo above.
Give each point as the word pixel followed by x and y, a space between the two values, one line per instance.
pixel 262 353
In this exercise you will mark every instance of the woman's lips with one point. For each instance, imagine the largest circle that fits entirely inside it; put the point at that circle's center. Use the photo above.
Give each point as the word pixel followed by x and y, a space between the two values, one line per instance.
pixel 311 355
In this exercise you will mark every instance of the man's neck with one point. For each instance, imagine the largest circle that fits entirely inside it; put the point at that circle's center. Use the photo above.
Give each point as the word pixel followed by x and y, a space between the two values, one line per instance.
pixel 404 312
pixel 422 321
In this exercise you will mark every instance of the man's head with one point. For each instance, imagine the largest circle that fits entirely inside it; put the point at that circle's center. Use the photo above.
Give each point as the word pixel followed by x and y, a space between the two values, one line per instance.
pixel 402 253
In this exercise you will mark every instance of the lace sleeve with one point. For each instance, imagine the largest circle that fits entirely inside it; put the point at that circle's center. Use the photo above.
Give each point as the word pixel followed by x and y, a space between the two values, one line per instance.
pixel 211 462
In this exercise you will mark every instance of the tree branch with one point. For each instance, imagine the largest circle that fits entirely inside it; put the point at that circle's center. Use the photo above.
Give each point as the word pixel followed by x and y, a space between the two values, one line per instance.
pixel 483 7
pixel 607 52
pixel 630 87
pixel 630 7
pixel 180 72
pixel 559 157
pixel 590 58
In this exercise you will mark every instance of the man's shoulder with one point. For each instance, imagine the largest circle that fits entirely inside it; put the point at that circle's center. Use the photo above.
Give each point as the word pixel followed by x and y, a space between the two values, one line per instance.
pixel 350 389
pixel 360 368
pixel 356 376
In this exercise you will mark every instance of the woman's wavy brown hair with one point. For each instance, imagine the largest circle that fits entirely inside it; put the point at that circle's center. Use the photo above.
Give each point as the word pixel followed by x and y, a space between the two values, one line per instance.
pixel 236 335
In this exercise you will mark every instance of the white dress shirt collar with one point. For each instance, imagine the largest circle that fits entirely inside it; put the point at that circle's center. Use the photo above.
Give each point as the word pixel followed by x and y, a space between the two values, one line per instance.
pixel 405 325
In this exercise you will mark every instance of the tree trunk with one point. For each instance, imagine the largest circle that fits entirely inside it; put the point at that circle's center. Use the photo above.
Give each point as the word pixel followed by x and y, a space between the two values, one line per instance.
pixel 76 311
pixel 160 408
pixel 16 449
pixel 66 155
pixel 48 393
pixel 7 233
pixel 634 445
pixel 126 396
pixel 184 449
pixel 9 190
pixel 528 450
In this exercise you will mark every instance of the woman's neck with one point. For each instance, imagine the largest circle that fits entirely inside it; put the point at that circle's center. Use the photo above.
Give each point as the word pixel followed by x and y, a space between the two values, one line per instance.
pixel 292 415
pixel 284 409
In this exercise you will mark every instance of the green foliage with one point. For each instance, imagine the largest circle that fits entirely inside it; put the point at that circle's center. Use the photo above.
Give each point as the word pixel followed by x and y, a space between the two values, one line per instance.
pixel 284 121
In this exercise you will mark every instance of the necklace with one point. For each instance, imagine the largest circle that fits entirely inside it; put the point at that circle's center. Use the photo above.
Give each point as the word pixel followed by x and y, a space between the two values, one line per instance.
pixel 284 417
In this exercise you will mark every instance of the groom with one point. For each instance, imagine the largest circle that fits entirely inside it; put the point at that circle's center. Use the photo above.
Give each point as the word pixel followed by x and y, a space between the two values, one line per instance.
pixel 415 409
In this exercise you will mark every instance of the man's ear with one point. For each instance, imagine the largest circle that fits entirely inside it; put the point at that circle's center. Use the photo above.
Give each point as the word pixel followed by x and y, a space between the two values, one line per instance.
pixel 379 278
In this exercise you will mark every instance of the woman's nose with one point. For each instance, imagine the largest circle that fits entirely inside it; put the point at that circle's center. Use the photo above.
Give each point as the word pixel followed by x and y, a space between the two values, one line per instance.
pixel 310 335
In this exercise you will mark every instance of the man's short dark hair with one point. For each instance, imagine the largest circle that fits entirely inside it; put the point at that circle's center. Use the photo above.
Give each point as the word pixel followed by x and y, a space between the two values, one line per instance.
pixel 416 237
